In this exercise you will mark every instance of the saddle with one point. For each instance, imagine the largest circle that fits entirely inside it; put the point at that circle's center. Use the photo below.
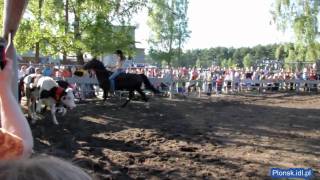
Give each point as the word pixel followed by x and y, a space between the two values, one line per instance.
pixel 56 93
pixel 121 77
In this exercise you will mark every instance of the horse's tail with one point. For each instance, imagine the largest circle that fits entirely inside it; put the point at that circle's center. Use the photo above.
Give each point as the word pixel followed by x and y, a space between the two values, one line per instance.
pixel 148 85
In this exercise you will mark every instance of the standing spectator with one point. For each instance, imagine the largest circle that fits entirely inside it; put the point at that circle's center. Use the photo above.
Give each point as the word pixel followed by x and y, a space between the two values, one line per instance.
pixel 305 74
pixel 55 71
pixel 219 84
pixel 30 69
pixel 47 71
pixel 208 83
pixel 22 72
pixel 214 81
pixel 236 80
pixel 38 71
pixel 66 73
pixel 73 70
pixel 58 73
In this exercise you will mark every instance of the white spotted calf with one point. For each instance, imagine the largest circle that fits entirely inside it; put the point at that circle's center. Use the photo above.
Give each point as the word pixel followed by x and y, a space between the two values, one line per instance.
pixel 51 94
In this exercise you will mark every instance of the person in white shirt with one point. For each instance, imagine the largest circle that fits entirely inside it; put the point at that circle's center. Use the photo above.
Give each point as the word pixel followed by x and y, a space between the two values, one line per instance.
pixel 22 72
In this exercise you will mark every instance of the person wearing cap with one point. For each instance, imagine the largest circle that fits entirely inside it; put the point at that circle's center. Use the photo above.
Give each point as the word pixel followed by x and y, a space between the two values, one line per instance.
pixel 119 68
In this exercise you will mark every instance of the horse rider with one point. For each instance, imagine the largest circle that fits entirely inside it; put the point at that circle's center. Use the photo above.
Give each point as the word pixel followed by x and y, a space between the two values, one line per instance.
pixel 119 68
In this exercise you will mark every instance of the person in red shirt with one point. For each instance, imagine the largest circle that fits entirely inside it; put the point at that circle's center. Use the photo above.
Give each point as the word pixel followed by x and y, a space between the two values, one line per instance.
pixel 66 73
pixel 312 76
pixel 194 74
pixel 219 84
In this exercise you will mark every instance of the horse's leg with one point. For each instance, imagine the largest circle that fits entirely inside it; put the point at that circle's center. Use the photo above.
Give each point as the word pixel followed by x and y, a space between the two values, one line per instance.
pixel 32 109
pixel 131 95
pixel 30 103
pixel 53 113
pixel 19 95
pixel 143 95
pixel 39 106
pixel 105 94
pixel 190 88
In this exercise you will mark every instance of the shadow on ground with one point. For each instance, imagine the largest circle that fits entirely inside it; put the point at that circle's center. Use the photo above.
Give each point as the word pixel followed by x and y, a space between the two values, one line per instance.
pixel 183 138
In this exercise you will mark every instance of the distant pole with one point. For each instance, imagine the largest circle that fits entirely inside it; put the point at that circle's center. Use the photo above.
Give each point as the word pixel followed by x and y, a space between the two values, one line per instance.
pixel 12 13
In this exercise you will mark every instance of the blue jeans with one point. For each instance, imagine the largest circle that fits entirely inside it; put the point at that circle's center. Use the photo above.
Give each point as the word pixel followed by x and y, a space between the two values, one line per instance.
pixel 113 77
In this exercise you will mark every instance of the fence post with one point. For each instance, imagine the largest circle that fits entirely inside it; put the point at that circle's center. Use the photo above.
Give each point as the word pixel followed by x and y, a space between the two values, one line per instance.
pixel 170 89
pixel 297 83
pixel 200 88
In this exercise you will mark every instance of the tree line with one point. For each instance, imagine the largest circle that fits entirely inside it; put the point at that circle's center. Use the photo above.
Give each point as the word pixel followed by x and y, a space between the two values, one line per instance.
pixel 287 54
pixel 298 16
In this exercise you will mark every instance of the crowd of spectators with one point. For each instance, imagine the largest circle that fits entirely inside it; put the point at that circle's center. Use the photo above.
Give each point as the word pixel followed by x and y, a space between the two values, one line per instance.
pixel 63 71
pixel 210 79
pixel 307 73
pixel 217 78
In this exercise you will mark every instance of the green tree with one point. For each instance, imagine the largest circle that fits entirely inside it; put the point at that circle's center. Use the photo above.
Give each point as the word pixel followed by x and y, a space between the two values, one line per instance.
pixel 33 32
pixel 198 63
pixel 290 61
pixel 248 61
pixel 102 26
pixel 280 53
pixel 231 63
pixel 238 57
pixel 168 23
pixel 96 27
pixel 224 63
pixel 301 16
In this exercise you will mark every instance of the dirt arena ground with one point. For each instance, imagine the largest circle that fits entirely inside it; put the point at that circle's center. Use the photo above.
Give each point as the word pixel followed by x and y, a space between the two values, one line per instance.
pixel 222 137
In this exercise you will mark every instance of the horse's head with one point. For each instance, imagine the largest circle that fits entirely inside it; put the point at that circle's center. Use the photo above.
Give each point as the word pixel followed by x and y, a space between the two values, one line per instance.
pixel 94 64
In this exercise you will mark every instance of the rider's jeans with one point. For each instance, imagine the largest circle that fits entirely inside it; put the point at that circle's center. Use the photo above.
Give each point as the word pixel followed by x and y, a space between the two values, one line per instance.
pixel 113 77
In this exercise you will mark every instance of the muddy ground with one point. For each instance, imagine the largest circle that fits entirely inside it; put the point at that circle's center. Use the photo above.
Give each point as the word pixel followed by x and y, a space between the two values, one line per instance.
pixel 222 137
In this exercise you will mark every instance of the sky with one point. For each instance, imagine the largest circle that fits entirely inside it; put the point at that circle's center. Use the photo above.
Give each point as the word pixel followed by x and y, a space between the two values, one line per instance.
pixel 227 23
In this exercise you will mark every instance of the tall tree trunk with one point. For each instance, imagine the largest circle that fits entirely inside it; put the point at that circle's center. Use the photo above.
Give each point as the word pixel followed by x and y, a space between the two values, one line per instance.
pixel 170 50
pixel 77 37
pixel 179 48
pixel 64 60
pixel 80 57
pixel 37 55
pixel 171 35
